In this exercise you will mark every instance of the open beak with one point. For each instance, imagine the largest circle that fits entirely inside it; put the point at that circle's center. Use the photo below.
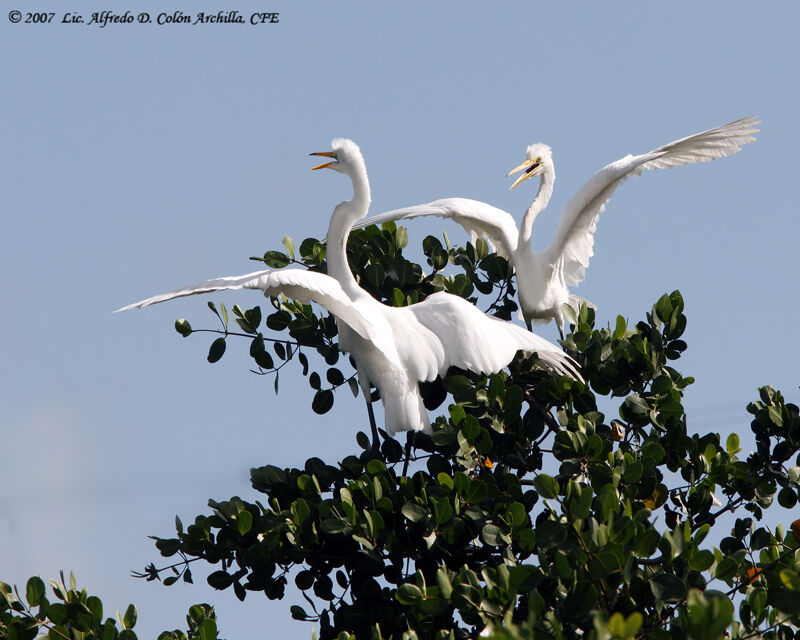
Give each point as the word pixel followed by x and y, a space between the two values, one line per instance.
pixel 326 154
pixel 530 168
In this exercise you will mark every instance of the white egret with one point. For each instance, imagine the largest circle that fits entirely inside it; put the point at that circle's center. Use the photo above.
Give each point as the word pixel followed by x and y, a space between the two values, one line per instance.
pixel 394 347
pixel 543 277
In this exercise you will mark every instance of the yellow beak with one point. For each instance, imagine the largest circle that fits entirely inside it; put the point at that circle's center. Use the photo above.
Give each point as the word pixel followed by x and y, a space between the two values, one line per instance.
pixel 326 154
pixel 531 168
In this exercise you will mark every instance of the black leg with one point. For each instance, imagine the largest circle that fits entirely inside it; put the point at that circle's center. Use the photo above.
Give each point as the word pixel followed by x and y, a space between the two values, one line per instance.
pixel 376 441
pixel 411 439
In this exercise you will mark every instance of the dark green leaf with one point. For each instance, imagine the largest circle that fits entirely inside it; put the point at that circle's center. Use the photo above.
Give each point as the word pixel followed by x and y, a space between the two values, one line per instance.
pixel 217 350
pixel 413 512
pixel 129 618
pixel 276 259
pixel 408 594
pixel 323 401
pixel 667 587
pixel 298 613
pixel 34 591
pixel 183 327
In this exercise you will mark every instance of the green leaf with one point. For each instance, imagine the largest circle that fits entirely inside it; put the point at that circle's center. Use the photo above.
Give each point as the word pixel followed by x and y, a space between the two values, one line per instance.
pixel 633 623
pixel 757 599
pixel 726 568
pixel 401 237
pixel 701 560
pixel 790 579
pixel 581 504
pixel 244 522
pixel 569 314
pixel 443 511
pixel 787 498
pixel 129 619
pixel 546 486
pixel 219 580
pixel 224 312
pixel 323 401
pixel 57 612
pixel 457 414
pixel 408 594
pixel 276 259
pixel 375 467
pixel 259 353
pixel 433 249
pixel 663 308
pixel 288 244
pixel 616 625
pixel 95 605
pixel 445 480
pixel 217 350
pixel 667 587
pixel 34 591
pixel 633 473
pixel 110 631
pixel 413 512
pixel 335 525
pixel 732 444
pixel 477 492
pixel 637 405
pixel 208 629
pixel 335 377
pixel 298 613
pixel 620 328
pixel 516 515
pixel 183 327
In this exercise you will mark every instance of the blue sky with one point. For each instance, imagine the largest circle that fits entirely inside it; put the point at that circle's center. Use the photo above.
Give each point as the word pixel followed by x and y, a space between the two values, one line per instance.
pixel 137 158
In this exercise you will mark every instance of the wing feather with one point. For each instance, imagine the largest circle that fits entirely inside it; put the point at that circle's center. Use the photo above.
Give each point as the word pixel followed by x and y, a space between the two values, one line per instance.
pixel 574 236
pixel 479 342
pixel 477 218
pixel 305 286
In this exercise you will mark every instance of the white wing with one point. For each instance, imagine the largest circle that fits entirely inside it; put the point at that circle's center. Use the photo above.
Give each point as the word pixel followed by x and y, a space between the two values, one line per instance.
pixel 305 286
pixel 479 342
pixel 575 234
pixel 479 219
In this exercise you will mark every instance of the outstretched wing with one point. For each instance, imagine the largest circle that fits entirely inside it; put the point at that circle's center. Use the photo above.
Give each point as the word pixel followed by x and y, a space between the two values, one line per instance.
pixel 305 286
pixel 479 342
pixel 574 237
pixel 479 219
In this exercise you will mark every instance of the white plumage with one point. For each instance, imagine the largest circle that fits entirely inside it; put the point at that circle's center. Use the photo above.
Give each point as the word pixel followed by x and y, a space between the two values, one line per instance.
pixel 394 348
pixel 543 278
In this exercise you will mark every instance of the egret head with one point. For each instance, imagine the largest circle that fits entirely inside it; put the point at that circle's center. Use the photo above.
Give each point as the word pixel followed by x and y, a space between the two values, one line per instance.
pixel 540 158
pixel 346 156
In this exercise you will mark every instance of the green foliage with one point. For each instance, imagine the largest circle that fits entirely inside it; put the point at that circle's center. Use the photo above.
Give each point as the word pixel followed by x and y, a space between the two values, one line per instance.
pixel 73 614
pixel 528 513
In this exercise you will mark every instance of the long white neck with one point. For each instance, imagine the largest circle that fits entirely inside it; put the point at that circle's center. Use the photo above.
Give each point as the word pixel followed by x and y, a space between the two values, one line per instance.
pixel 344 216
pixel 537 206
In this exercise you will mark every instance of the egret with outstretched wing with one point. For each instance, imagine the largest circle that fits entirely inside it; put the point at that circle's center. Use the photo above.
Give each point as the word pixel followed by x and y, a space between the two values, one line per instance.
pixel 543 278
pixel 394 348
